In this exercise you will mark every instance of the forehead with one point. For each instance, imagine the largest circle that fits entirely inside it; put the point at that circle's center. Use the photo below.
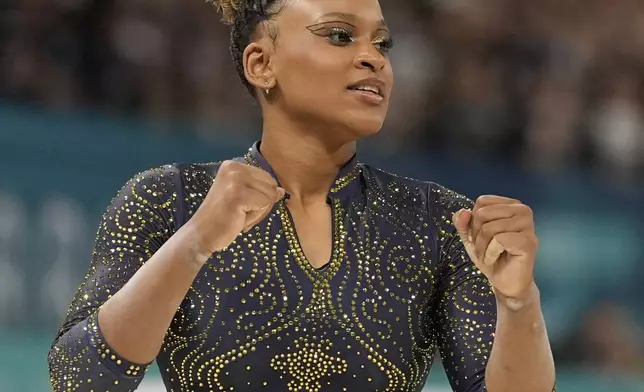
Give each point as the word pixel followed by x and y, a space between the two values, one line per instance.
pixel 311 11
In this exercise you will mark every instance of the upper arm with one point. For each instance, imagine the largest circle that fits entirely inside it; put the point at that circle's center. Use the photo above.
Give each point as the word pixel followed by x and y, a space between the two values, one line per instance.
pixel 141 217
pixel 465 315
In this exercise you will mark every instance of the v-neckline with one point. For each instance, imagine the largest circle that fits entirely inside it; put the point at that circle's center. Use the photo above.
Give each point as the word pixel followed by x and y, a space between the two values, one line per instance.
pixel 328 270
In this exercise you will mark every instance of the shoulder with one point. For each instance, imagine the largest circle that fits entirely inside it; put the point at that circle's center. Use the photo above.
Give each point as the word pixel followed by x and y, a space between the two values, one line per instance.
pixel 158 186
pixel 166 183
pixel 446 199
pixel 192 170
pixel 153 181
pixel 175 174
pixel 392 183
pixel 175 179
pixel 437 198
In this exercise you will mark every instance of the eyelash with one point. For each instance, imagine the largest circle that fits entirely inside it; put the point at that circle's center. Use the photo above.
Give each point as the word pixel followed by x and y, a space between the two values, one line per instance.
pixel 386 44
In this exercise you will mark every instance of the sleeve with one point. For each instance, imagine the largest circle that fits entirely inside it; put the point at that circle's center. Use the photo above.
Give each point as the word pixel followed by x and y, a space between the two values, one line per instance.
pixel 465 316
pixel 135 225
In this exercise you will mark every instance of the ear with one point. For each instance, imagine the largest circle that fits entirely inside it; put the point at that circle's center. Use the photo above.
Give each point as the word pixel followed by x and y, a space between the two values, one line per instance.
pixel 258 65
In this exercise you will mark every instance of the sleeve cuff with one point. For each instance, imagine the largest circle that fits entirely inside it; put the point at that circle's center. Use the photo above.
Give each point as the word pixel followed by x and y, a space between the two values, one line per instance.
pixel 120 366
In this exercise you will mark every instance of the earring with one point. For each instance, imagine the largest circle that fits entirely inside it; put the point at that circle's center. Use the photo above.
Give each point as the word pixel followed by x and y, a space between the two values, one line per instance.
pixel 268 90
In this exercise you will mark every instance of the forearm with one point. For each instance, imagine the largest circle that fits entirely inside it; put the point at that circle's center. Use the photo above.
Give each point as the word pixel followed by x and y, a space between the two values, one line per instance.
pixel 521 358
pixel 135 320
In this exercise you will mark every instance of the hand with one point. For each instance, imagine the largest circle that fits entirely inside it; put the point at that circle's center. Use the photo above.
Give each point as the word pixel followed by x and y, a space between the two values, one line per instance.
pixel 499 236
pixel 240 197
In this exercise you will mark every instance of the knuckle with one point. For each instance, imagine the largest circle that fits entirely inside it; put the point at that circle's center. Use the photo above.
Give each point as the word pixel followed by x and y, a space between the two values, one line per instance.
pixel 533 240
pixel 266 176
pixel 483 198
pixel 480 213
pixel 485 231
pixel 227 169
pixel 495 199
pixel 525 210
pixel 233 189
pixel 227 166
pixel 486 199
pixel 236 176
pixel 272 180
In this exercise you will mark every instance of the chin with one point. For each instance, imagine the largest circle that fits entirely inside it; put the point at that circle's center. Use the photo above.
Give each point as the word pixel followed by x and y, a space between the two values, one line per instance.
pixel 364 126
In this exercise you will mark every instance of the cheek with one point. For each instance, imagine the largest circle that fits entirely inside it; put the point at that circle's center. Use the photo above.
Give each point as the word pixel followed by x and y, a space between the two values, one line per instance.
pixel 312 66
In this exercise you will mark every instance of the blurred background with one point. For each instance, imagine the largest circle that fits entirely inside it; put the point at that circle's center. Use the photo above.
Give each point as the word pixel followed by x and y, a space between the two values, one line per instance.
pixel 540 100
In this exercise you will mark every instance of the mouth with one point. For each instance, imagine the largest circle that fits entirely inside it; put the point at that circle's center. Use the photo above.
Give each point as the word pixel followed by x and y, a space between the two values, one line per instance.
pixel 370 91
pixel 369 87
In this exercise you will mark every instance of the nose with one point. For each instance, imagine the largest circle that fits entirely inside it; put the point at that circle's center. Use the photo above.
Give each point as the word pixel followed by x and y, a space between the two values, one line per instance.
pixel 370 59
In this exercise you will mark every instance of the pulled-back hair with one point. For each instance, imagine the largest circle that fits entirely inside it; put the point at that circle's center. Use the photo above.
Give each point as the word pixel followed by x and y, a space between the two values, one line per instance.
pixel 243 17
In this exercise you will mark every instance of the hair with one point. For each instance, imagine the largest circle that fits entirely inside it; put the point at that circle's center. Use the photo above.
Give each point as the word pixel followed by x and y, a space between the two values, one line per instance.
pixel 243 17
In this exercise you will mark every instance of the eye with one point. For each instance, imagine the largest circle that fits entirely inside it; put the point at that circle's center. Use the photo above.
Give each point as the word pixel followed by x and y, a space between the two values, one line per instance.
pixel 340 36
pixel 383 44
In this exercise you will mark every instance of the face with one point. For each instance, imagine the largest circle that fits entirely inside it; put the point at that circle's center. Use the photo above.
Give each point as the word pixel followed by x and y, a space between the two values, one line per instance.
pixel 331 67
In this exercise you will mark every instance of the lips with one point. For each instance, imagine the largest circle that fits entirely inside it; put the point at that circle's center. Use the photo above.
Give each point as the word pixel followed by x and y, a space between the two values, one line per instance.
pixel 370 85
pixel 366 88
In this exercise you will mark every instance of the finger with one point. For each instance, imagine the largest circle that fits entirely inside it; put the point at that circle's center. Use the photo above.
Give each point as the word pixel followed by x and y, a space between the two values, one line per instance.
pixel 491 229
pixel 250 175
pixel 492 253
pixel 518 244
pixel 254 217
pixel 257 216
pixel 488 200
pixel 252 200
pixel 461 220
pixel 281 192
pixel 265 182
pixel 270 189
pixel 261 175
pixel 483 215
pixel 521 213
pixel 245 174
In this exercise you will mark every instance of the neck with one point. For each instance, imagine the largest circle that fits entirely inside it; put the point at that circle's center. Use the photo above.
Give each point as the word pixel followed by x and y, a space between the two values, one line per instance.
pixel 305 166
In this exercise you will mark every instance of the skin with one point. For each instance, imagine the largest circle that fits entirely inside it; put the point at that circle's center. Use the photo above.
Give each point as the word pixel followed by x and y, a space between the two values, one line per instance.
pixel 322 47
pixel 500 238
pixel 311 124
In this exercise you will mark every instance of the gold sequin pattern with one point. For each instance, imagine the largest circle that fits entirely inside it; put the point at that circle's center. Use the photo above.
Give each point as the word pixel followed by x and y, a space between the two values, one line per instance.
pixel 466 306
pixel 136 223
pixel 259 317
pixel 308 364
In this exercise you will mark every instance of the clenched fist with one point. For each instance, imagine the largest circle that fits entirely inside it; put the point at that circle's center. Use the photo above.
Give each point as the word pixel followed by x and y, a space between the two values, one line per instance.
pixel 499 236
pixel 240 197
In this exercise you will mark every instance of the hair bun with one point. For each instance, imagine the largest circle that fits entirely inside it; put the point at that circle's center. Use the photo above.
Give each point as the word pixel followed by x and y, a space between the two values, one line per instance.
pixel 229 9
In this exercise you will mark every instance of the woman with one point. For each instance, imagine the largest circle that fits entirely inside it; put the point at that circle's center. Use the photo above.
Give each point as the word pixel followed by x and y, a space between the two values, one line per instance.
pixel 299 268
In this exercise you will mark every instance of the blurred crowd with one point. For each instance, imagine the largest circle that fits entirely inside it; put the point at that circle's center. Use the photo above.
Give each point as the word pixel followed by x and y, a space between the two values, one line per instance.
pixel 548 84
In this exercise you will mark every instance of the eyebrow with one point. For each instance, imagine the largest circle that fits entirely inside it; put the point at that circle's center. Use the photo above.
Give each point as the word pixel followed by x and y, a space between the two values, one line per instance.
pixel 382 25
